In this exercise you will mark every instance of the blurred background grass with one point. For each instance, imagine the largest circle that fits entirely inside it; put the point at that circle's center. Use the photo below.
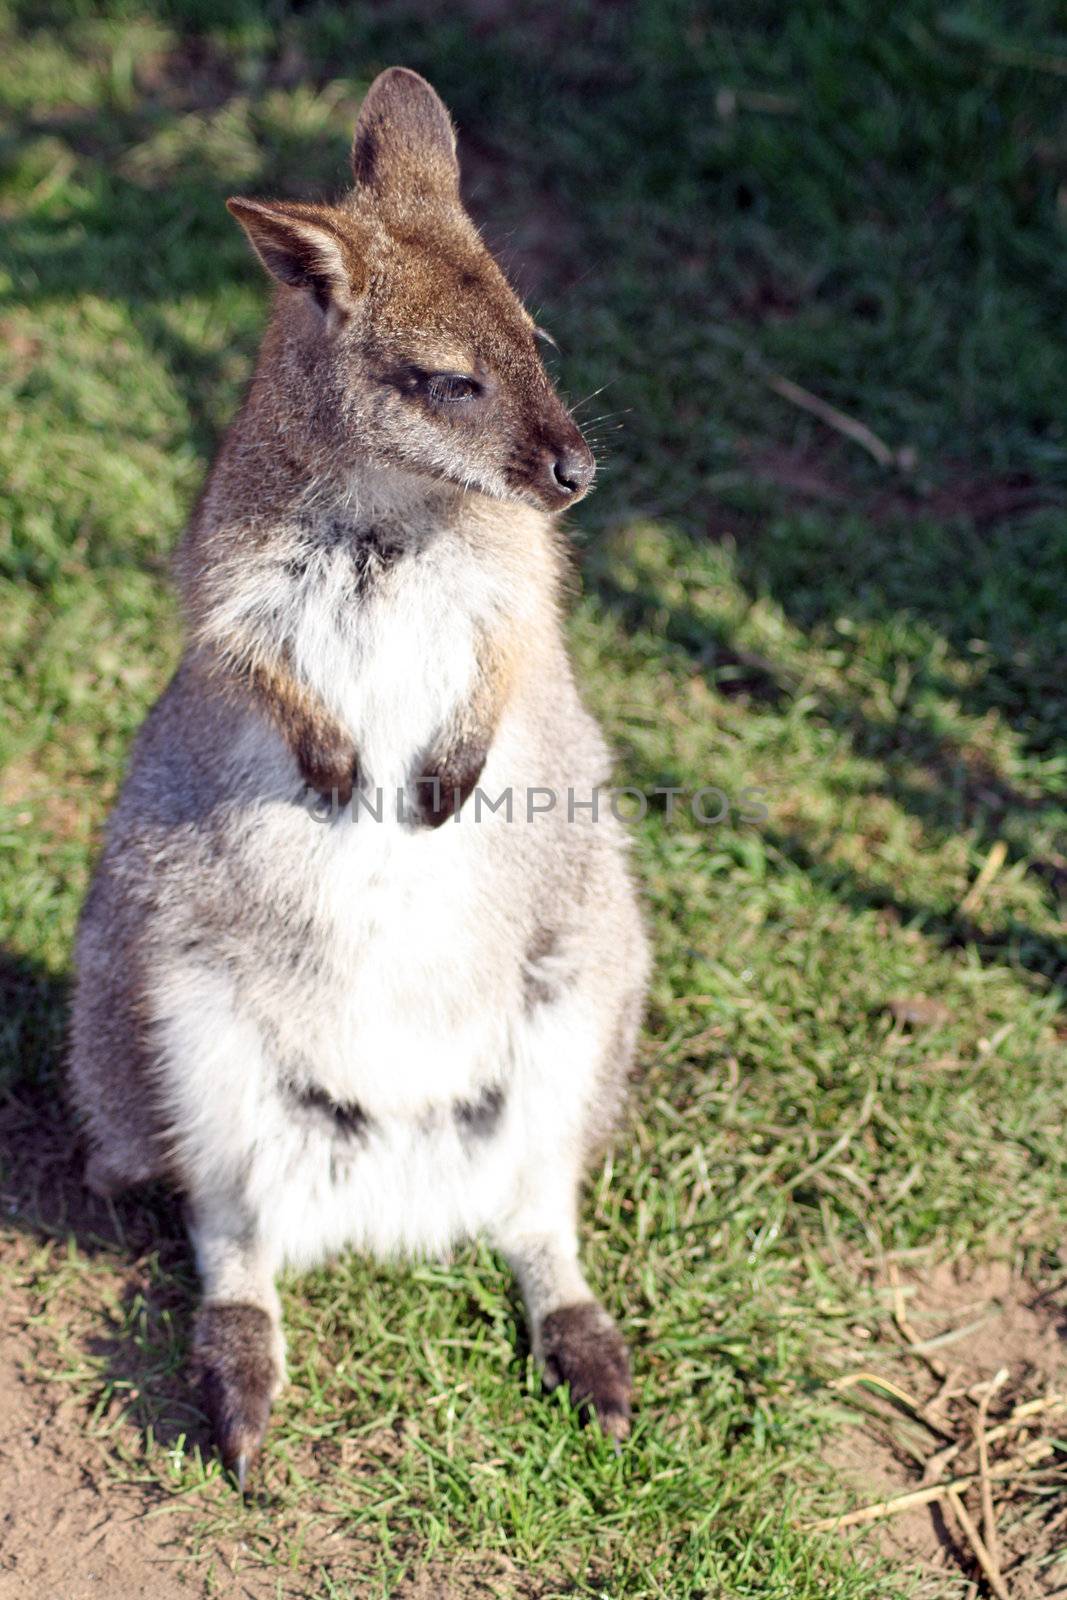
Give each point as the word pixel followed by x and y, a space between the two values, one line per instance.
pixel 705 206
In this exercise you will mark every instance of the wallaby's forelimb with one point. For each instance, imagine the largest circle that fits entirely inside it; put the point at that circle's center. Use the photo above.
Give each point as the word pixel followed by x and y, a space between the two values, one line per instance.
pixel 323 751
pixel 447 773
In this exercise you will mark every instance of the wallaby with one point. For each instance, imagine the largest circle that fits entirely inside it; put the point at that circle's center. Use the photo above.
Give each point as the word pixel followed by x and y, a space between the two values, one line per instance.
pixel 329 985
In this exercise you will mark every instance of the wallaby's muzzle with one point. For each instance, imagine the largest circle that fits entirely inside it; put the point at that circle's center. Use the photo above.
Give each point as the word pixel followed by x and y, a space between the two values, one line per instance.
pixel 555 466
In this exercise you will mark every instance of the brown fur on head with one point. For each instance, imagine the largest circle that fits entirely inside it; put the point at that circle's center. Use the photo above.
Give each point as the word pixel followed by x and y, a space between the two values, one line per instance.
pixel 398 337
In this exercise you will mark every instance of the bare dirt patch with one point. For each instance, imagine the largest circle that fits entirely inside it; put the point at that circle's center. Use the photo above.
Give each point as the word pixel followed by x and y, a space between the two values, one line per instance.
pixel 64 1529
pixel 981 1350
pixel 499 1580
pixel 68 1528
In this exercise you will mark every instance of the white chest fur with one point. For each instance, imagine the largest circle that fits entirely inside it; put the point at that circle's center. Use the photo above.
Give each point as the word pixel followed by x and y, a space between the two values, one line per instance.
pixel 411 1017
pixel 396 1184
pixel 391 647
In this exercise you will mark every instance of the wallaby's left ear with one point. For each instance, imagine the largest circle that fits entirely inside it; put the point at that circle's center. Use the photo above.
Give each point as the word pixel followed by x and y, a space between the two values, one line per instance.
pixel 305 246
pixel 405 145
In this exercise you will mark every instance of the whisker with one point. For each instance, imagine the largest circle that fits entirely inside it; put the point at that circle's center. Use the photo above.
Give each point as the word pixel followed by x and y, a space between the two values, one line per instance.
pixel 584 401
pixel 591 422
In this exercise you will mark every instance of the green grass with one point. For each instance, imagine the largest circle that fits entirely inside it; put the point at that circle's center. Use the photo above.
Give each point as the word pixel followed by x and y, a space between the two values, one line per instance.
pixel 868 204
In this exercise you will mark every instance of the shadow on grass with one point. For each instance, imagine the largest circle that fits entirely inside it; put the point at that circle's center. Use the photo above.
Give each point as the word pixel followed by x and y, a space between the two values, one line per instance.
pixel 948 786
pixel 1015 943
pixel 140 1350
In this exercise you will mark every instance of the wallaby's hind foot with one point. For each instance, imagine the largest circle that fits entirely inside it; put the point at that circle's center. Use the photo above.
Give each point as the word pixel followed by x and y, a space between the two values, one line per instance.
pixel 573 1337
pixel 234 1359
pixel 583 1348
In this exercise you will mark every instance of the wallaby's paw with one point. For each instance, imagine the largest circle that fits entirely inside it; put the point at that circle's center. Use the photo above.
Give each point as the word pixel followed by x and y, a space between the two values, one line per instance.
pixel 328 765
pixel 583 1348
pixel 234 1359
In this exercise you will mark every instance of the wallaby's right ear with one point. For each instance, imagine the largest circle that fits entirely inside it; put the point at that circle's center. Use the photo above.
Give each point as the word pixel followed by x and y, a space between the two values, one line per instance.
pixel 306 247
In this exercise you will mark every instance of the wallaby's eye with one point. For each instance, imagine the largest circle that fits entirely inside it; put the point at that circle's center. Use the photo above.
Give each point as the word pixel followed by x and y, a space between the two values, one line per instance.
pixel 439 388
pixel 444 387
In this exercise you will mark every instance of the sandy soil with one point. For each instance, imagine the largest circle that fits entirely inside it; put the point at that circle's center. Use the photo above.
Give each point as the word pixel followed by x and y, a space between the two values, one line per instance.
pixel 976 1322
pixel 66 1529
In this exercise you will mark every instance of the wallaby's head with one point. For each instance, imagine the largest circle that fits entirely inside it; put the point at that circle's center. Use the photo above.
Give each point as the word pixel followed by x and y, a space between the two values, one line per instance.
pixel 397 334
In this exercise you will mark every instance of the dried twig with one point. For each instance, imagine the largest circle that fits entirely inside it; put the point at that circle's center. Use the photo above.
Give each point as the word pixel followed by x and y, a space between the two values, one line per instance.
pixel 907 1332
pixel 935 1466
pixel 1022 1413
pixel 903 1402
pixel 896 1393
pixel 876 1381
pixel 1029 1457
pixel 857 431
pixel 1029 1408
pixel 974 1538
pixel 989 1520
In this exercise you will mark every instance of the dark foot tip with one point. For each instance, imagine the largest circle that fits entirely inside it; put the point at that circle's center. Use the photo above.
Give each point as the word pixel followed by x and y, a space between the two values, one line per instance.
pixel 233 1353
pixel 584 1349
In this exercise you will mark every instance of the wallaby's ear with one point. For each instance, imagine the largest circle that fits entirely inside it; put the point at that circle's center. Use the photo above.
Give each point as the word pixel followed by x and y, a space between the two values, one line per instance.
pixel 405 145
pixel 306 247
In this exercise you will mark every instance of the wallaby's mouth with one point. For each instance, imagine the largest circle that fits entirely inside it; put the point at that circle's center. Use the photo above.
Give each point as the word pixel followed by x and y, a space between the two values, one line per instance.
pixel 548 480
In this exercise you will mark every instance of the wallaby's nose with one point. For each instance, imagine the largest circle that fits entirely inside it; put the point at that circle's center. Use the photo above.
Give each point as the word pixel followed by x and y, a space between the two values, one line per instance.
pixel 570 470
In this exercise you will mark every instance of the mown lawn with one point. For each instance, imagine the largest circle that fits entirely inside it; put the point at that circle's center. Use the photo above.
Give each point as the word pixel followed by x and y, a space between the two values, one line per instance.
pixel 701 203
